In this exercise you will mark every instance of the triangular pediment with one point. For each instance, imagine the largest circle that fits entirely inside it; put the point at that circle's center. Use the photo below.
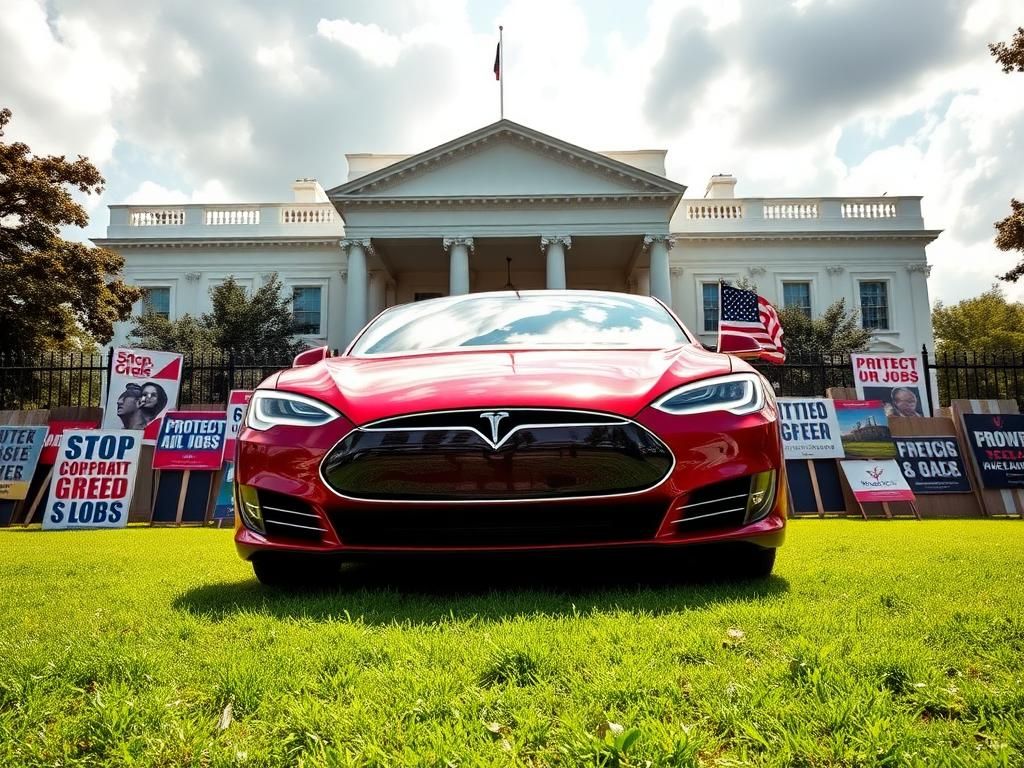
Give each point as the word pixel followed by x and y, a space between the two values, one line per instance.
pixel 506 159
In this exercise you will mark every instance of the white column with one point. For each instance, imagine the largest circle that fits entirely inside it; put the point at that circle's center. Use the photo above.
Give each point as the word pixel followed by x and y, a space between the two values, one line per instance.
pixel 554 249
pixel 677 291
pixel 658 247
pixel 378 282
pixel 458 249
pixel 356 288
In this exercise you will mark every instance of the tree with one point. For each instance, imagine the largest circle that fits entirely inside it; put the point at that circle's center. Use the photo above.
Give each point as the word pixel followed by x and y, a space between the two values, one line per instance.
pixel 986 323
pixel 53 289
pixel 1010 231
pixel 836 332
pixel 260 324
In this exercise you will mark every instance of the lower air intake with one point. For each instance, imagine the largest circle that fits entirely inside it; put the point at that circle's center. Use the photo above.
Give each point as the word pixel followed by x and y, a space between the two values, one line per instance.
pixel 289 517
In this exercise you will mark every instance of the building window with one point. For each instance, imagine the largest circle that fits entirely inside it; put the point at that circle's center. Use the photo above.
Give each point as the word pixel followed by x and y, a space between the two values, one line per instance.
pixel 426 295
pixel 306 309
pixel 797 295
pixel 157 301
pixel 709 293
pixel 874 305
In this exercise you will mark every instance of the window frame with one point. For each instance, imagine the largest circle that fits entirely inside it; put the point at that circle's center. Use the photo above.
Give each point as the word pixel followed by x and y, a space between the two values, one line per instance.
pixel 861 280
pixel 170 285
pixel 323 283
pixel 788 280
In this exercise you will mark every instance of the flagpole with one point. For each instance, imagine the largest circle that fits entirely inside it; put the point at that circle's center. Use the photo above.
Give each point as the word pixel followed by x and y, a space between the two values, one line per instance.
pixel 501 71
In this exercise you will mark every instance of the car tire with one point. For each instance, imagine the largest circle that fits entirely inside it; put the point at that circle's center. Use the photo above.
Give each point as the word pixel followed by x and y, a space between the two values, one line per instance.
pixel 756 563
pixel 295 572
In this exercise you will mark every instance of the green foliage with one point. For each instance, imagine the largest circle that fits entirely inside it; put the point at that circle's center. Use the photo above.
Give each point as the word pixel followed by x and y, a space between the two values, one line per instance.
pixel 878 643
pixel 1010 231
pixel 835 332
pixel 58 294
pixel 260 324
pixel 986 323
pixel 1010 56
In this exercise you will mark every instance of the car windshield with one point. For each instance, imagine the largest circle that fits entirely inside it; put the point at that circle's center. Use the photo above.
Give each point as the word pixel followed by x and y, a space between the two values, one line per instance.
pixel 523 321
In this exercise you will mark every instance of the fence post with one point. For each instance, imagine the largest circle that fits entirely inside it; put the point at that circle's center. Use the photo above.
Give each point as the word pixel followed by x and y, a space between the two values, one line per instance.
pixel 231 374
pixel 926 365
pixel 110 373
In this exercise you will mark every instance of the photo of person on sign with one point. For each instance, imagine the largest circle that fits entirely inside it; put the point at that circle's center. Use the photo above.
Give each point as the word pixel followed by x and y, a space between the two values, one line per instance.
pixel 900 402
pixel 153 400
pixel 128 410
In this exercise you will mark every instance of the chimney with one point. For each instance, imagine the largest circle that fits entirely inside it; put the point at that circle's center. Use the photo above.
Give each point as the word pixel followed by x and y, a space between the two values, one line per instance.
pixel 308 191
pixel 721 187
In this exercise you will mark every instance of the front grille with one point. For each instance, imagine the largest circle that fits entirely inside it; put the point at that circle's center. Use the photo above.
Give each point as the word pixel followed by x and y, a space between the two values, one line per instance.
pixel 528 454
pixel 287 516
pixel 472 525
pixel 719 505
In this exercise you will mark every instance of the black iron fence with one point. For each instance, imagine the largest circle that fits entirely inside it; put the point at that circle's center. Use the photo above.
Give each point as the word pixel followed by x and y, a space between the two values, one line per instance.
pixel 72 379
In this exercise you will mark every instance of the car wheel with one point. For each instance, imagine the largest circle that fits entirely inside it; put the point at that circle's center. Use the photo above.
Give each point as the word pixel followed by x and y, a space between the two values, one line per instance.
pixel 295 572
pixel 755 563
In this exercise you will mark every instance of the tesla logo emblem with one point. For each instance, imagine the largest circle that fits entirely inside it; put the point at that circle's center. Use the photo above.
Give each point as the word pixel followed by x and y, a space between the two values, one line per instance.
pixel 494 417
pixel 876 472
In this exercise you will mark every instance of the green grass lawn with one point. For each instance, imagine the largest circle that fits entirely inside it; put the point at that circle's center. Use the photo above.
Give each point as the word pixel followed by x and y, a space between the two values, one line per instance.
pixel 876 643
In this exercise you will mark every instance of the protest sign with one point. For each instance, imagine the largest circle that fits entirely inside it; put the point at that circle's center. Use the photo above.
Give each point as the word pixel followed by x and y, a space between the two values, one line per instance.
pixel 55 430
pixel 876 481
pixel 93 479
pixel 864 429
pixel 224 508
pixel 809 428
pixel 896 380
pixel 19 454
pixel 997 442
pixel 238 399
pixel 143 386
pixel 932 464
pixel 190 440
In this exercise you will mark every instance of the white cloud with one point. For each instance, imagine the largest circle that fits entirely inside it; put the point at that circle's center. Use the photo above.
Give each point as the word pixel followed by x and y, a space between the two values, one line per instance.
pixel 376 46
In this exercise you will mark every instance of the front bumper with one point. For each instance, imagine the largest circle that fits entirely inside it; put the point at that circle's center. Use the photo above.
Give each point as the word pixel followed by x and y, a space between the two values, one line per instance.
pixel 713 454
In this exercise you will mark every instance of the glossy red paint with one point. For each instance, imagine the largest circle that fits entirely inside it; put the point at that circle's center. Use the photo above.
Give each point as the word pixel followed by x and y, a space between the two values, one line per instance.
pixel 709 448
pixel 622 381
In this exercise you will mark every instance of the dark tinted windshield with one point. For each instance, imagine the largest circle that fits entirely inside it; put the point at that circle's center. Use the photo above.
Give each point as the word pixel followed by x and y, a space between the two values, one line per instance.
pixel 524 321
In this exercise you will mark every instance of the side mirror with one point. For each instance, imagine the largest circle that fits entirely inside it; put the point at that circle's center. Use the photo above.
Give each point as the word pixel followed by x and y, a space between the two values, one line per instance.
pixel 739 344
pixel 310 357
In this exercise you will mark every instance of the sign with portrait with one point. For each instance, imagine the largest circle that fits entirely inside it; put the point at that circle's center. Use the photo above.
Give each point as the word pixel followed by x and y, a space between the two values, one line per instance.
pixel 876 481
pixel 932 464
pixel 190 440
pixel 238 399
pixel 997 442
pixel 810 429
pixel 93 479
pixel 896 380
pixel 864 429
pixel 20 448
pixel 143 386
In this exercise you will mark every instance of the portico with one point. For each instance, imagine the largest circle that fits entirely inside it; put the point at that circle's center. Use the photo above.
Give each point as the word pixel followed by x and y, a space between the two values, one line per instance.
pixel 504 206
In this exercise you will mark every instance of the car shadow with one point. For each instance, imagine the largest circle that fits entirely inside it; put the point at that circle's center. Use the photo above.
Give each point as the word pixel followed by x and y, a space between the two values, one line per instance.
pixel 427 591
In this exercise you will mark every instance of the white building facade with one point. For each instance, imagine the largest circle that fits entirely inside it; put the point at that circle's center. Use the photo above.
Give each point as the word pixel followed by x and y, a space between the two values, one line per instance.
pixel 507 205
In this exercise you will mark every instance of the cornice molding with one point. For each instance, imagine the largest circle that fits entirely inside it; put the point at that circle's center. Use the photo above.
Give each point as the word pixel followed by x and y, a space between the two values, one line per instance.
pixel 923 236
pixel 261 242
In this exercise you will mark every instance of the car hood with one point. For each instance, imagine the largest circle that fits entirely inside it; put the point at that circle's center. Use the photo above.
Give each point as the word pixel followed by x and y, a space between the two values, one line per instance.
pixel 621 381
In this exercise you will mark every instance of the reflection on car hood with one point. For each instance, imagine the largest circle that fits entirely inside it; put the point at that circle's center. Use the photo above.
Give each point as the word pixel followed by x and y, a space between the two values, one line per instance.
pixel 620 381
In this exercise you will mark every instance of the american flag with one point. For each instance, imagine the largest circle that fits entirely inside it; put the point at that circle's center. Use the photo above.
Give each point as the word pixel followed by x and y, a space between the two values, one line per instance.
pixel 747 313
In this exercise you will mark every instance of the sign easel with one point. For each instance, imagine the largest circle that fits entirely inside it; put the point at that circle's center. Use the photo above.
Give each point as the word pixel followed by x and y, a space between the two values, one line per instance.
pixel 1008 502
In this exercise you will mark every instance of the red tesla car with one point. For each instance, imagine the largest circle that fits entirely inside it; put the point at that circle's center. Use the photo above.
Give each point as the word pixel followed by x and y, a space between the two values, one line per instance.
pixel 531 420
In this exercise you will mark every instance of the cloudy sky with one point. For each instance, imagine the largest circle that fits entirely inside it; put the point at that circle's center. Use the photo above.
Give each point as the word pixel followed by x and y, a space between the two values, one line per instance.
pixel 231 100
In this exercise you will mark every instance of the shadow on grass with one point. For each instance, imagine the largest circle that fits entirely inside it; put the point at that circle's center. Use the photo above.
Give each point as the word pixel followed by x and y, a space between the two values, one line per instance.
pixel 426 591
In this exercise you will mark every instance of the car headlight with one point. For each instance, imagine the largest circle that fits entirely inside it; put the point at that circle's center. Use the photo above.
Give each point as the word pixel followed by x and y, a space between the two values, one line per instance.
pixel 270 408
pixel 737 393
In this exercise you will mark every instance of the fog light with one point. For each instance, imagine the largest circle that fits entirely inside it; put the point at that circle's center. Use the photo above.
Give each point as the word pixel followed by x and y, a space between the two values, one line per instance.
pixel 762 494
pixel 249 507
